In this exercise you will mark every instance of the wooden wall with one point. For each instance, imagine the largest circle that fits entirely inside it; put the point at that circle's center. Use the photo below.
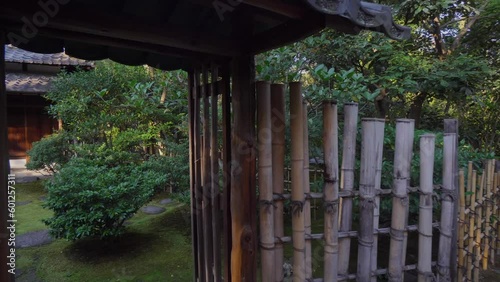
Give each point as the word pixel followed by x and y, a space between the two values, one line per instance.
pixel 27 121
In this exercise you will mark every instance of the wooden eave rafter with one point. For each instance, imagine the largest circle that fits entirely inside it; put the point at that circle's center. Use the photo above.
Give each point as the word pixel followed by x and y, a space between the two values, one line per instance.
pixel 73 19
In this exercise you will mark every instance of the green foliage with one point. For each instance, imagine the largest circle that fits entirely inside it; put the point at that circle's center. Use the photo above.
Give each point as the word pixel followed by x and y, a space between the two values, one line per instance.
pixel 128 131
pixel 92 197
pixel 50 153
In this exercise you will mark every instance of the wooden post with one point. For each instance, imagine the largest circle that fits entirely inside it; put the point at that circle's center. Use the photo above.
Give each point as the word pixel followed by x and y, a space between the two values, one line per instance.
pixel 347 182
pixel 278 132
pixel 307 190
pixel 243 196
pixel 297 144
pixel 4 168
pixel 331 189
pixel 376 211
pixel 427 146
pixel 400 201
pixel 226 168
pixel 214 166
pixel 451 126
pixel 447 209
pixel 369 156
pixel 194 235
pixel 207 180
pixel 198 180
pixel 470 246
pixel 265 180
pixel 461 229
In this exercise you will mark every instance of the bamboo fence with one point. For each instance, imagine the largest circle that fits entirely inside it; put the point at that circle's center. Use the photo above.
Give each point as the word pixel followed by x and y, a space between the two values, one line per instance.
pixel 345 190
pixel 479 212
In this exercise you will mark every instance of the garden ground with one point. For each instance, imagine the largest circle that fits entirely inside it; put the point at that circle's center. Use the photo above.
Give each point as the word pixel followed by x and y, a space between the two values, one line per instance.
pixel 154 247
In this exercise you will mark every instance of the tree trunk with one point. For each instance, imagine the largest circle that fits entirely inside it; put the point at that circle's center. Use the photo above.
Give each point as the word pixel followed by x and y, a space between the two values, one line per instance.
pixel 416 107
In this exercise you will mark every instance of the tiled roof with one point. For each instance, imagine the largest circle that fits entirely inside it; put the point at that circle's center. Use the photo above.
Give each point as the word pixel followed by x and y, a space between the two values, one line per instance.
pixel 16 55
pixel 28 82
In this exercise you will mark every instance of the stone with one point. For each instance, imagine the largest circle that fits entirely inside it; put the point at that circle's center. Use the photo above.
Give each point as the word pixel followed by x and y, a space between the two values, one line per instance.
pixel 152 210
pixel 23 203
pixel 166 201
pixel 33 239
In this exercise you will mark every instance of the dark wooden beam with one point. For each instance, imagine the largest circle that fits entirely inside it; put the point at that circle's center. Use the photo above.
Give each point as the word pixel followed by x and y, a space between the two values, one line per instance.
pixel 75 18
pixel 4 170
pixel 113 42
pixel 286 33
pixel 279 7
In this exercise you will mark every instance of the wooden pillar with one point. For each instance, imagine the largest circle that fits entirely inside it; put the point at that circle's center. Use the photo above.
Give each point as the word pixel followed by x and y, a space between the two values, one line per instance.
pixel 4 168
pixel 214 155
pixel 197 176
pixel 243 196
pixel 194 236
pixel 226 168
pixel 207 179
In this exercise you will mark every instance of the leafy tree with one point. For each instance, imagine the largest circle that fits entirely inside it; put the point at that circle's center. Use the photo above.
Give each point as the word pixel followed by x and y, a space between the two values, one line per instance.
pixel 92 197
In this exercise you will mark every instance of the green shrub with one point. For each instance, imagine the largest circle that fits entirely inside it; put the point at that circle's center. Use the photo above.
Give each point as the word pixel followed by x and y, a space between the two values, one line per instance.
pixel 50 153
pixel 91 198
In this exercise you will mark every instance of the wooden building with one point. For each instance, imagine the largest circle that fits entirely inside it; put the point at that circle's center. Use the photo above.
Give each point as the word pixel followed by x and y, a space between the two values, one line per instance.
pixel 28 76
pixel 215 41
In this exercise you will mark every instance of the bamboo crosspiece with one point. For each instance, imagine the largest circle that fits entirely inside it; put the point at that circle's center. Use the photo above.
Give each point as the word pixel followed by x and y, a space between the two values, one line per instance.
pixel 265 180
pixel 427 147
pixel 369 157
pixel 347 182
pixel 331 189
pixel 278 162
pixel 298 198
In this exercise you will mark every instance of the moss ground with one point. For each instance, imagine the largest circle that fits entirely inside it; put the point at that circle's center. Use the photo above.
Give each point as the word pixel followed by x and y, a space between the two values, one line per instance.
pixel 154 247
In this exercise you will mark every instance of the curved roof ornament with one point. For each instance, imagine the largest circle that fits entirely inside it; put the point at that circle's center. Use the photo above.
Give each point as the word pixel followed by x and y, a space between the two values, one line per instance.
pixel 366 15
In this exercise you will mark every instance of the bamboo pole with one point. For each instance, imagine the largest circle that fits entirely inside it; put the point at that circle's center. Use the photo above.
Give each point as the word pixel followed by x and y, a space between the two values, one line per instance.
pixel 470 246
pixel 278 155
pixel 447 208
pixel 331 189
pixel 265 180
pixel 469 181
pixel 214 165
pixel 207 180
pixel 402 165
pixel 369 157
pixel 461 231
pixel 307 190
pixel 478 227
pixel 297 144
pixel 494 212
pixel 376 212
pixel 427 147
pixel 487 204
pixel 497 168
pixel 347 182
